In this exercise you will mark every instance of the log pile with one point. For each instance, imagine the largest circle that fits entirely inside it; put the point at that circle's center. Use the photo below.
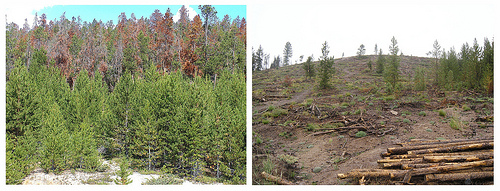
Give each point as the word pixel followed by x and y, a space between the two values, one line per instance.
pixel 455 161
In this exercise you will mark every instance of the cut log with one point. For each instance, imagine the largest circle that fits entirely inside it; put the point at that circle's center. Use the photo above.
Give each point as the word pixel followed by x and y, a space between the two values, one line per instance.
pixel 475 146
pixel 415 142
pixel 371 174
pixel 458 176
pixel 462 158
pixel 275 179
pixel 424 165
pixel 385 154
pixel 402 150
pixel 399 164
pixel 439 154
pixel 440 169
pixel 397 160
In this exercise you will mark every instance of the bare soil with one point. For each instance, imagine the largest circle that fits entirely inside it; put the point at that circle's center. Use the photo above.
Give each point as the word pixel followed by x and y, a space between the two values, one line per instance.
pixel 358 98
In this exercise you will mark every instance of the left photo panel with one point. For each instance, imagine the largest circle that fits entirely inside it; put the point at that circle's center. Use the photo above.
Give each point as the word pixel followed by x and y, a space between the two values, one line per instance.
pixel 125 94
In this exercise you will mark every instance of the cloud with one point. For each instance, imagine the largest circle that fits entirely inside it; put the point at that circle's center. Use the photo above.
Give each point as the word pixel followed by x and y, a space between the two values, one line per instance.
pixel 192 13
pixel 17 13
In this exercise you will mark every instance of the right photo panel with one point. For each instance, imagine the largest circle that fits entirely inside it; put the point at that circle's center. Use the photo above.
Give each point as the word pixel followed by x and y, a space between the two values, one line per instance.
pixel 372 93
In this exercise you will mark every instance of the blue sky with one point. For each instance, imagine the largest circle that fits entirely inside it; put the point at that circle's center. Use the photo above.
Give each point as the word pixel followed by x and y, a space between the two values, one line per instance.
pixel 111 12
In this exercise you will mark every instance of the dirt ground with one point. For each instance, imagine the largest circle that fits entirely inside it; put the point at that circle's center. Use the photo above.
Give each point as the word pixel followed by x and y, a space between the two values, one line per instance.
pixel 288 111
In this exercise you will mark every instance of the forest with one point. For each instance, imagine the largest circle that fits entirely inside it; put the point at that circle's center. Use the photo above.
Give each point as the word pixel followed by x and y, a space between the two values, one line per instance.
pixel 165 95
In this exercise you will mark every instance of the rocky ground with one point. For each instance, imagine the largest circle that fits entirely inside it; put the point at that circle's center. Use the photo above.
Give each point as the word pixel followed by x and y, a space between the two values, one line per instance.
pixel 72 177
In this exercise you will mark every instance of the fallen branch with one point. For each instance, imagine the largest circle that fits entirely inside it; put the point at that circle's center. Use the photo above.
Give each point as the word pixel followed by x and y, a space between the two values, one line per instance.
pixel 275 179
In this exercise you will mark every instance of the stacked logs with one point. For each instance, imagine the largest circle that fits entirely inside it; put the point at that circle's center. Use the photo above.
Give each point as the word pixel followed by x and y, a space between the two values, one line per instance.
pixel 433 160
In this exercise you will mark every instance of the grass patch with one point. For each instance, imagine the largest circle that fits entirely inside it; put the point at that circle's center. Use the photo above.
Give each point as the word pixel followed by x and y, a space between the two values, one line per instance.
pixel 456 123
pixel 406 121
pixel 268 165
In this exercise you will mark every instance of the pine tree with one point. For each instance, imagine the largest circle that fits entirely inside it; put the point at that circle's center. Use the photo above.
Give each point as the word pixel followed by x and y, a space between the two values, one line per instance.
pixel 419 79
pixel 309 67
pixel 391 75
pixel 56 144
pixel 123 173
pixel 361 50
pixel 380 63
pixel 123 110
pixel 287 54
pixel 326 69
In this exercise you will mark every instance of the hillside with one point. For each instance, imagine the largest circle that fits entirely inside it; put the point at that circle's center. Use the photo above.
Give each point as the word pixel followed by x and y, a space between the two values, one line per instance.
pixel 290 113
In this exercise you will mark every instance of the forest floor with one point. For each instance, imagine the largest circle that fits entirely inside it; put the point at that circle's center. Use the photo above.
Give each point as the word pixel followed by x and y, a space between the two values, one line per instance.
pixel 72 177
pixel 288 110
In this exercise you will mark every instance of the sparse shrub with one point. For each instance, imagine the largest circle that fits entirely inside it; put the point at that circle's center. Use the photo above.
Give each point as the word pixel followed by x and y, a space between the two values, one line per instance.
pixel 275 113
pixel 422 113
pixel 290 160
pixel 287 82
pixel 166 179
pixel 317 169
pixel 265 121
pixel 270 108
pixel 442 113
pixel 308 102
pixel 389 98
pixel 357 112
pixel 312 126
pixel 370 104
pixel 406 120
pixel 428 130
pixel 360 134
pixel 466 108
pixel 258 140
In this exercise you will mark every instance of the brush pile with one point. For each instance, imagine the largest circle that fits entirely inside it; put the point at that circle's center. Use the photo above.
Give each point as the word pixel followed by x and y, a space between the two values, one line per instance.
pixel 431 161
